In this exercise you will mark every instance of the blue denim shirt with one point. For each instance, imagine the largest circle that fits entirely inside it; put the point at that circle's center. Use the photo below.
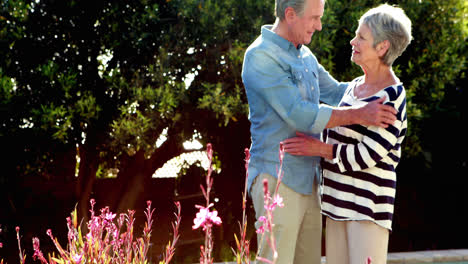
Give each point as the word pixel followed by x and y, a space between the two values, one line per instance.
pixel 284 87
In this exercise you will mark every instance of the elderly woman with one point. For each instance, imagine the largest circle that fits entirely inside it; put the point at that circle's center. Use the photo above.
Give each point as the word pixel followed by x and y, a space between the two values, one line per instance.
pixel 359 162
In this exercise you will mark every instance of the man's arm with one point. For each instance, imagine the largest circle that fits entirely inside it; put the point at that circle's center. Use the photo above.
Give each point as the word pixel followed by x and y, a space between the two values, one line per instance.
pixel 374 113
pixel 331 93
pixel 376 143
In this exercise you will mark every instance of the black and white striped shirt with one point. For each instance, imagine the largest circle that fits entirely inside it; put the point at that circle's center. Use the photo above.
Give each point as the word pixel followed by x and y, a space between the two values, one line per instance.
pixel 359 183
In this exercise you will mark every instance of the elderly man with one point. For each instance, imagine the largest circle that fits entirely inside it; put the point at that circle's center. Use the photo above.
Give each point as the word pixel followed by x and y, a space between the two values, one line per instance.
pixel 285 84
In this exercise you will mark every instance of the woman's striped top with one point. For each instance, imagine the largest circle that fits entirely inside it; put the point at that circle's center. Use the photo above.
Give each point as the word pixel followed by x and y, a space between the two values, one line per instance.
pixel 359 183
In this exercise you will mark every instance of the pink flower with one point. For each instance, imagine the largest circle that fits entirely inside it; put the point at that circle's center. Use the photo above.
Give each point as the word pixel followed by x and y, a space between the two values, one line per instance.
pixel 277 201
pixel 77 258
pixel 109 216
pixel 71 233
pixel 247 158
pixel 206 218
pixel 1 244
pixel 215 218
pixel 121 220
pixel 92 202
pixel 201 217
pixel 261 229
pixel 37 251
pixel 209 151
pixel 281 152
pixel 36 244
pixel 94 224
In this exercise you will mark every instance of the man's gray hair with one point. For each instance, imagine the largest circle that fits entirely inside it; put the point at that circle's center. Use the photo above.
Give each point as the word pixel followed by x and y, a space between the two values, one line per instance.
pixel 281 5
pixel 389 23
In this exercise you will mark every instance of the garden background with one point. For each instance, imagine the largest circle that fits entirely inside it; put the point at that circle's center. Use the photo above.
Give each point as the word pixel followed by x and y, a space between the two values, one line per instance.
pixel 96 96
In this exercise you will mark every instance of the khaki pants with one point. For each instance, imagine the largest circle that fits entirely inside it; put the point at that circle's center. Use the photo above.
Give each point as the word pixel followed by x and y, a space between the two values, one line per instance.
pixel 297 225
pixel 352 242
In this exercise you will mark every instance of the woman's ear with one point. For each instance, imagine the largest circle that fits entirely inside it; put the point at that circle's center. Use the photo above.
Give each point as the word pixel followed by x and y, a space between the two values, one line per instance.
pixel 382 47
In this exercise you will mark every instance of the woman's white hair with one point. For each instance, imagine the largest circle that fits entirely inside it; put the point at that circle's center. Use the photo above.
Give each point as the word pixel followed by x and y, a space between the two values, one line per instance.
pixel 389 23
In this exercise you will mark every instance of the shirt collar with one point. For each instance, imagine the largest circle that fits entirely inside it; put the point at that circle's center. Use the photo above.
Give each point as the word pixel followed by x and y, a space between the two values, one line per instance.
pixel 285 44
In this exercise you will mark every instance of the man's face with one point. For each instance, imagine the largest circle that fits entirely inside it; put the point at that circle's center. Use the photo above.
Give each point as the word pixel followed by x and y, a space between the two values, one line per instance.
pixel 302 27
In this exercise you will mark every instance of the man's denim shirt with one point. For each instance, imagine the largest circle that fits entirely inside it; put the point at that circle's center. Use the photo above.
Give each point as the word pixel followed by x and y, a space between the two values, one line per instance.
pixel 284 85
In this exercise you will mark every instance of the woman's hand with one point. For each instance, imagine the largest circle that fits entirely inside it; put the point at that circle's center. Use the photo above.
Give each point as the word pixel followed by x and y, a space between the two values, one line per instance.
pixel 305 145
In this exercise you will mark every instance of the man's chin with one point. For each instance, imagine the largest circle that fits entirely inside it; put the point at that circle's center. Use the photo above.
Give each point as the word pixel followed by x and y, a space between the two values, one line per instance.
pixel 307 42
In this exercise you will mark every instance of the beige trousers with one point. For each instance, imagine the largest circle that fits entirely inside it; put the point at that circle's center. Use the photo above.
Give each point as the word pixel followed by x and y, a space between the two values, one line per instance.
pixel 352 242
pixel 297 225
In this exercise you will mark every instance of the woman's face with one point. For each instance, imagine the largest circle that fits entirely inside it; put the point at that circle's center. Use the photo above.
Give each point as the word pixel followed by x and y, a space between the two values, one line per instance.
pixel 363 52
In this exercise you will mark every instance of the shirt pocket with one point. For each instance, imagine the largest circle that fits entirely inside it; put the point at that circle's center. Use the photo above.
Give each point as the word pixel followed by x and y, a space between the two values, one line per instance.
pixel 297 75
pixel 314 86
pixel 299 80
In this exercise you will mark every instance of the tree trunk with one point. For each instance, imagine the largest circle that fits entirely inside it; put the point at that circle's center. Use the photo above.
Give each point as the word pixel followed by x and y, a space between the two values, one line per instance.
pixel 136 170
pixel 130 182
pixel 89 160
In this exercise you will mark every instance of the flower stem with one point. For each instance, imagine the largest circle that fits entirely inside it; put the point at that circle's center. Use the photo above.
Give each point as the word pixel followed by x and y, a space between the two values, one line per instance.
pixel 21 256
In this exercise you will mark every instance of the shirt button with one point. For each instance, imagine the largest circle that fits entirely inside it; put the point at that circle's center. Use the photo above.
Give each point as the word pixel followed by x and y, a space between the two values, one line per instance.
pixel 307 70
pixel 299 56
